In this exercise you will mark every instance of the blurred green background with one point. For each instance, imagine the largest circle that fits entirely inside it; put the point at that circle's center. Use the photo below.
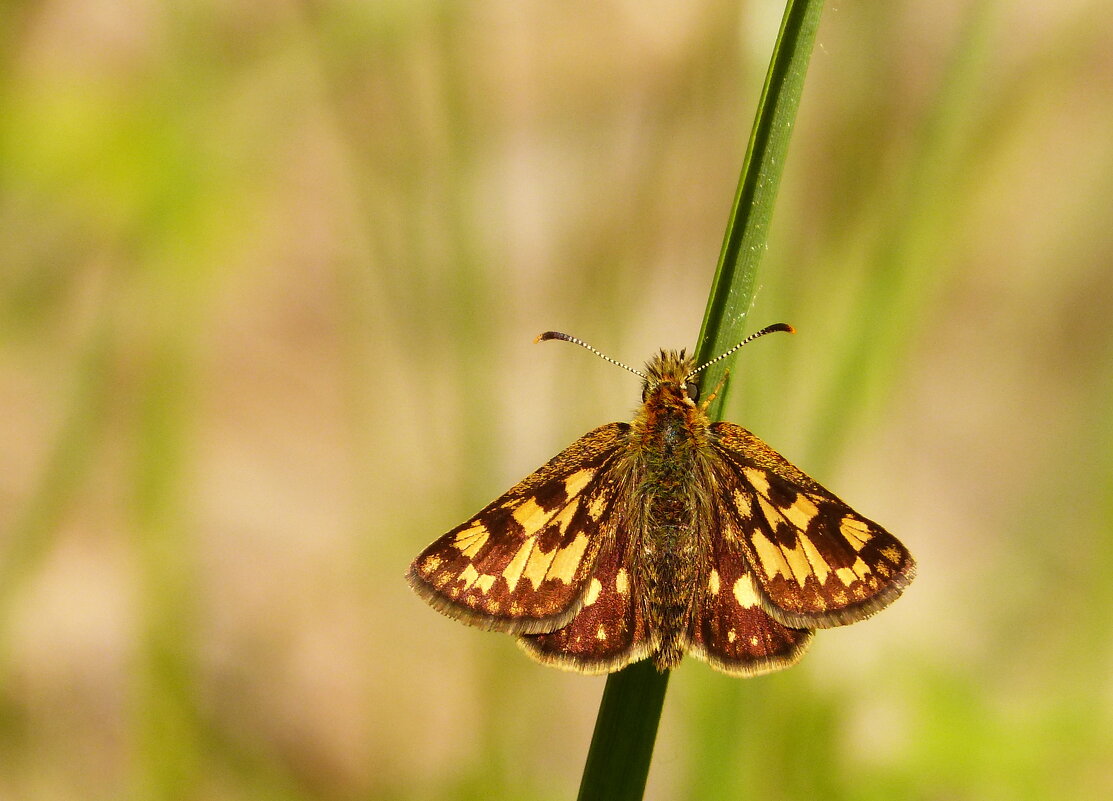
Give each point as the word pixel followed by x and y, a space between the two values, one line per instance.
pixel 269 276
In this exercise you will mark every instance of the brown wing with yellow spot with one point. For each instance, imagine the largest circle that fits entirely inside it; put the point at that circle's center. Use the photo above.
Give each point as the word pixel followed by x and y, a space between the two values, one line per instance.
pixel 730 629
pixel 609 630
pixel 817 562
pixel 523 563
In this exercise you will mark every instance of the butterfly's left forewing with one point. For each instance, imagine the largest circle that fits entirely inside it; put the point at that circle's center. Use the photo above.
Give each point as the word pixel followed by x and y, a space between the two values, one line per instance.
pixel 523 563
pixel 817 562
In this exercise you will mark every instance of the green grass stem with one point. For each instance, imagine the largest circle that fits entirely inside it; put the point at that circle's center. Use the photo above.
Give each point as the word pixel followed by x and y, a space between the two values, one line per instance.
pixel 621 751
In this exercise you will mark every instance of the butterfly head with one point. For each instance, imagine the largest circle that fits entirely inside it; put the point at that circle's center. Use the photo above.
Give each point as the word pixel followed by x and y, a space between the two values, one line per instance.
pixel 668 379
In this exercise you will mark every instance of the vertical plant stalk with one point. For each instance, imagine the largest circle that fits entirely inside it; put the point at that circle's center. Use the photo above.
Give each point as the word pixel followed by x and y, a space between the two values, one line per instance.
pixel 621 750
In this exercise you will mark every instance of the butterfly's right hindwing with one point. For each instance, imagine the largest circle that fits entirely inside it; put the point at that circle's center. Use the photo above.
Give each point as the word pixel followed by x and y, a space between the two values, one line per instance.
pixel 523 564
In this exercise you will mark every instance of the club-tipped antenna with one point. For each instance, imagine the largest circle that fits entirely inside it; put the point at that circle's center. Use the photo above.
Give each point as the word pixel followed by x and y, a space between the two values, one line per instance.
pixel 569 338
pixel 769 329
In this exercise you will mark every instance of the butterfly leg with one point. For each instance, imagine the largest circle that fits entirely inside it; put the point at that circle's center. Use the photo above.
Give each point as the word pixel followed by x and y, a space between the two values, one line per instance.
pixel 714 393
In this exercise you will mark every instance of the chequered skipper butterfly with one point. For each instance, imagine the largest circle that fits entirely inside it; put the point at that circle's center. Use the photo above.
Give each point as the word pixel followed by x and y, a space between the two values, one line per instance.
pixel 664 536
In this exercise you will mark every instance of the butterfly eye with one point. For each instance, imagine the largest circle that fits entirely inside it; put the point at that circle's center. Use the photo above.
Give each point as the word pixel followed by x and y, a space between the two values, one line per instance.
pixel 693 391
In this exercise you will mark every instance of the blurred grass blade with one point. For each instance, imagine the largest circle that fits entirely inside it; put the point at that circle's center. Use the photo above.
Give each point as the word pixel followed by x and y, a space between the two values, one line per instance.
pixel 907 269
pixel 35 530
pixel 621 749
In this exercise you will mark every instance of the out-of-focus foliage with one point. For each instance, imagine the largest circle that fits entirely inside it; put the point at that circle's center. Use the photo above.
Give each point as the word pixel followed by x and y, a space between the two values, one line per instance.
pixel 268 279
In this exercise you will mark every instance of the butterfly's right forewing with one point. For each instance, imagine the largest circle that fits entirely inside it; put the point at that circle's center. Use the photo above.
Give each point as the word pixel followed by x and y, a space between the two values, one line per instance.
pixel 523 563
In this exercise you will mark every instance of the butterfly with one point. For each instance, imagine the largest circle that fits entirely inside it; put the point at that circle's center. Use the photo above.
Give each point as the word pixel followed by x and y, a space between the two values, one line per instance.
pixel 665 536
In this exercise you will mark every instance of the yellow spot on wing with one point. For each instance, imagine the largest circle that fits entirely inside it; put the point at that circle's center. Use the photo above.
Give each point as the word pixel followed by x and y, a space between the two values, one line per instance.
pixel 745 593
pixel 530 515
pixel 593 590
pixel 431 563
pixel 800 513
pixel 471 539
pixel 598 505
pixel 513 571
pixel 621 581
pixel 794 559
pixel 772 560
pixel 856 532
pixel 743 502
pixel 732 635
pixel 891 553
pixel 713 582
pixel 601 634
pixel 568 560
pixel 818 564
pixel 565 516
pixel 757 479
pixel 538 566
pixel 468 575
pixel 577 481
pixel 799 564
pixel 484 583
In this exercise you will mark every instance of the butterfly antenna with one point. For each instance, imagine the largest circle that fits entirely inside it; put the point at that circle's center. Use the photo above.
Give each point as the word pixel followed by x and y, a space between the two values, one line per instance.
pixel 769 329
pixel 568 338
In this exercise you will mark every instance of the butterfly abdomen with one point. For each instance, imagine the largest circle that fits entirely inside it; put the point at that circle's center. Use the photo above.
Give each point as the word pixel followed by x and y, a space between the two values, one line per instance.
pixel 669 556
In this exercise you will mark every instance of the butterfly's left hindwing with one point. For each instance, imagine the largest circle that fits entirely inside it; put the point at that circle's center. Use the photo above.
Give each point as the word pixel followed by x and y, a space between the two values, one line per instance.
pixel 609 631
pixel 817 562
pixel 523 563
pixel 730 629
